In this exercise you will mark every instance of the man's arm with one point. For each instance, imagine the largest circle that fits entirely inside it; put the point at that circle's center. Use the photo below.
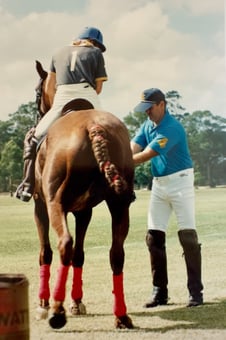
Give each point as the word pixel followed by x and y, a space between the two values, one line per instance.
pixel 141 156
pixel 135 147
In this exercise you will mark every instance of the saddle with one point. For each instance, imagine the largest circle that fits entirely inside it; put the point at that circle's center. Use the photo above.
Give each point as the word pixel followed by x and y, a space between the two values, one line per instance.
pixel 76 105
pixel 73 105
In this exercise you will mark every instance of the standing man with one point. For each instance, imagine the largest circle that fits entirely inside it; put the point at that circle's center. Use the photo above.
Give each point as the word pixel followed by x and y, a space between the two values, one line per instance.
pixel 162 140
pixel 76 71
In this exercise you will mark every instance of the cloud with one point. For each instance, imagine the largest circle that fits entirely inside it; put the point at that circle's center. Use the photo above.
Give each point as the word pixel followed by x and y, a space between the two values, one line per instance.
pixel 194 6
pixel 205 7
pixel 144 50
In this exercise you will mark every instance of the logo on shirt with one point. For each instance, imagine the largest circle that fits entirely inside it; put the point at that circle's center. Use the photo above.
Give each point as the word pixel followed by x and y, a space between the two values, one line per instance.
pixel 162 142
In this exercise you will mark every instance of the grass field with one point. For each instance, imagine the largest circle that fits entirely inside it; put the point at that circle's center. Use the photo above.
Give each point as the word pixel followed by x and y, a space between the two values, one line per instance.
pixel 19 249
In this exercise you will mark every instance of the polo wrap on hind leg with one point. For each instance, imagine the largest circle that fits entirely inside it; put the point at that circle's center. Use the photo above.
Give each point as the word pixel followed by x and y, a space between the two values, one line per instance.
pixel 118 291
pixel 192 254
pixel 60 288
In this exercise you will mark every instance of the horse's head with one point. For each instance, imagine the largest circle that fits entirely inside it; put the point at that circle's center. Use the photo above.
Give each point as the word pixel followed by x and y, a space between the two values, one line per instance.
pixel 41 96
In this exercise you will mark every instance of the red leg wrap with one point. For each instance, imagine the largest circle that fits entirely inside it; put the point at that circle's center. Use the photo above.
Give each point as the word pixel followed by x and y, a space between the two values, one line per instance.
pixel 118 291
pixel 60 288
pixel 76 292
pixel 44 273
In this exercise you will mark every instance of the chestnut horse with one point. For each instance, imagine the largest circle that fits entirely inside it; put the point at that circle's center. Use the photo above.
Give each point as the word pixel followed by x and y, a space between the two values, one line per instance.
pixel 85 159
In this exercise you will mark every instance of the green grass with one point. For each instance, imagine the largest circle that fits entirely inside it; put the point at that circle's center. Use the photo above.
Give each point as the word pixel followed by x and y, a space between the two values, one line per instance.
pixel 19 251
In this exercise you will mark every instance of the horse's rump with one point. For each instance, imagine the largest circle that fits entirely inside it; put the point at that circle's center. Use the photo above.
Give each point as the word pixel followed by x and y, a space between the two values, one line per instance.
pixel 86 150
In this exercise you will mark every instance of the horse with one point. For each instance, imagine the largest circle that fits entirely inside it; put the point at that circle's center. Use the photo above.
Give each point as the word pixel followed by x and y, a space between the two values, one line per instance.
pixel 84 159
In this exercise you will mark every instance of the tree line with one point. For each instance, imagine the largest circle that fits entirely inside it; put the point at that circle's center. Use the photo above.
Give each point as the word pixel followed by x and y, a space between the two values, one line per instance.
pixel 206 137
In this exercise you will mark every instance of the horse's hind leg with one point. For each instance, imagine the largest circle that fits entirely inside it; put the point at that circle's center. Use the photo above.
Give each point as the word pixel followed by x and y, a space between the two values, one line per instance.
pixel 45 258
pixel 82 221
pixel 58 221
pixel 120 227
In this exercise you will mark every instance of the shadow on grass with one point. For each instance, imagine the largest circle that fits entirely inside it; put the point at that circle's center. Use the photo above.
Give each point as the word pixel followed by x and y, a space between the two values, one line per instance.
pixel 207 316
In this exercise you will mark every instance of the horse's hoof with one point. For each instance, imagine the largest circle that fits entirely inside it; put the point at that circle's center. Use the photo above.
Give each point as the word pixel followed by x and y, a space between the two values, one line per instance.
pixel 57 321
pixel 42 313
pixel 77 308
pixel 123 322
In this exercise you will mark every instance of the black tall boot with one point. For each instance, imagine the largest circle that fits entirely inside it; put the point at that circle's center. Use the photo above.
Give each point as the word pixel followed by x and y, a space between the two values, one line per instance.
pixel 192 254
pixel 25 190
pixel 155 240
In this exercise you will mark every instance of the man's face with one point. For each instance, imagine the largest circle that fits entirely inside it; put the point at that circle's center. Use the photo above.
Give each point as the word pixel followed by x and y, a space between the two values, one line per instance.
pixel 156 112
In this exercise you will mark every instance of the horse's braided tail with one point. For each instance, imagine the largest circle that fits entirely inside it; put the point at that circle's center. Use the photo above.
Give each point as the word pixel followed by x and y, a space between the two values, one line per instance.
pixel 99 142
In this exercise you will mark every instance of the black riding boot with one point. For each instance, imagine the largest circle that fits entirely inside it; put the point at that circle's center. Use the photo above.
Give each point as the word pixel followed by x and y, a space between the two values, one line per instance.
pixel 155 240
pixel 25 190
pixel 192 254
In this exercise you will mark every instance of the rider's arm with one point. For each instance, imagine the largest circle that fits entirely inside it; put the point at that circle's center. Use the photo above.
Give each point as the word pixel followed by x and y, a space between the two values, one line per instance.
pixel 99 85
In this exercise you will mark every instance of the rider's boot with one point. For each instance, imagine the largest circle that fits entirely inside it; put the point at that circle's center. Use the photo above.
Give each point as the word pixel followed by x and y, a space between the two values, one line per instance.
pixel 25 190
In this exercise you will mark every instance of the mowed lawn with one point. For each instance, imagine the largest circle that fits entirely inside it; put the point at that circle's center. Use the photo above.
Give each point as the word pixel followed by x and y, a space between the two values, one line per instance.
pixel 19 252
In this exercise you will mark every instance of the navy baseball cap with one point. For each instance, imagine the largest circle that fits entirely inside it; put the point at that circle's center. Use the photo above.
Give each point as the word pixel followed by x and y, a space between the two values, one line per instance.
pixel 149 97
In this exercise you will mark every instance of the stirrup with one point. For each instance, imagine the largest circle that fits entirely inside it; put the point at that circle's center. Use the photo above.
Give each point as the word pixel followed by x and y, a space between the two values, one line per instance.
pixel 25 196
pixel 22 194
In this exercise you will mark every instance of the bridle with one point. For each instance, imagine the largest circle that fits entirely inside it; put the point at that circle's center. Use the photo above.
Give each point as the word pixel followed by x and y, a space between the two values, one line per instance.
pixel 38 100
pixel 39 90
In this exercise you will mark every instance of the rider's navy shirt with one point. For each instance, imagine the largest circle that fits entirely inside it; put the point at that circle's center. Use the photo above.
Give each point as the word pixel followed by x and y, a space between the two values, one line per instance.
pixel 78 64
pixel 169 140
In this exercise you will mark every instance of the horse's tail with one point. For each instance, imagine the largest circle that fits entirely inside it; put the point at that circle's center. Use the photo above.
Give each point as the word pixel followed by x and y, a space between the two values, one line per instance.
pixel 99 142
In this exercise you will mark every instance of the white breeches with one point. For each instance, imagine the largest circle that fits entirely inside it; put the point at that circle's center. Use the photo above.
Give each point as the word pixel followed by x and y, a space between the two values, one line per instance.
pixel 172 193
pixel 64 94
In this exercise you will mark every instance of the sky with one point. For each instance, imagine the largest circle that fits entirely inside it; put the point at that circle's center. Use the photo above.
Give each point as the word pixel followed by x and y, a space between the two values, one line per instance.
pixel 173 45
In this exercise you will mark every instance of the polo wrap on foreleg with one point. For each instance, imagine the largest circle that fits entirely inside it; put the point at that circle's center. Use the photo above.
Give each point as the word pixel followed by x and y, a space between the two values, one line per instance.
pixel 77 293
pixel 44 273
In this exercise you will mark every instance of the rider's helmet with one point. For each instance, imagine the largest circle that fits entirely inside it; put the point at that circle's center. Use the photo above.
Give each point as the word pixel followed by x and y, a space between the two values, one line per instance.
pixel 94 34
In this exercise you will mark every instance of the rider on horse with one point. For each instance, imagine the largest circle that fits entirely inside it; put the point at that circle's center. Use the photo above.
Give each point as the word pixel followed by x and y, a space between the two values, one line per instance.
pixel 76 71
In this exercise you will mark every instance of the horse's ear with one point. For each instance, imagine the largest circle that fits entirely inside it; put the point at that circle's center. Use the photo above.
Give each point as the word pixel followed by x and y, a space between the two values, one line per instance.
pixel 42 73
